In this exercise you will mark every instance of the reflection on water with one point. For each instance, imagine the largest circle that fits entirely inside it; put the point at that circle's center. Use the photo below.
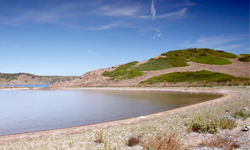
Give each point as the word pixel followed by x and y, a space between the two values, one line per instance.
pixel 27 111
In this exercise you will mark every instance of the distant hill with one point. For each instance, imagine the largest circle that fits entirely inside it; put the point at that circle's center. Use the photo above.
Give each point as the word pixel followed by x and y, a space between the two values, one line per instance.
pixel 194 66
pixel 30 79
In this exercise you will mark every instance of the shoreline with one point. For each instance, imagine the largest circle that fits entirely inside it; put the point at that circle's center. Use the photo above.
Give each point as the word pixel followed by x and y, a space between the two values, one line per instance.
pixel 127 121
pixel 115 134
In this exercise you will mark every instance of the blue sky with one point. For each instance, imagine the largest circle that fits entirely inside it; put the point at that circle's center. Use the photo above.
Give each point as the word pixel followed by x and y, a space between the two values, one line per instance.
pixel 72 37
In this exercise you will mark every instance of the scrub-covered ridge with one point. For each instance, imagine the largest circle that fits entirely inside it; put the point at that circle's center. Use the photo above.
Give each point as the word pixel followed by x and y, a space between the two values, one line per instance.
pixel 26 79
pixel 187 60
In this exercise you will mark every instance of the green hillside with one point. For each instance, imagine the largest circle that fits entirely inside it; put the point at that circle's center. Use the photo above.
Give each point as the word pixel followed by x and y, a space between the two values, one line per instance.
pixel 205 77
pixel 177 58
pixel 245 58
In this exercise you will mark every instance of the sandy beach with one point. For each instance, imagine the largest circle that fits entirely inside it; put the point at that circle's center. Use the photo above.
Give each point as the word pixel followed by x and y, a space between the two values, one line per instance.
pixel 116 133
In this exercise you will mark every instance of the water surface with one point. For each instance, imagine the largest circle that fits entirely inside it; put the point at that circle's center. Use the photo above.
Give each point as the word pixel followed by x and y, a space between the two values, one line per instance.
pixel 36 85
pixel 28 111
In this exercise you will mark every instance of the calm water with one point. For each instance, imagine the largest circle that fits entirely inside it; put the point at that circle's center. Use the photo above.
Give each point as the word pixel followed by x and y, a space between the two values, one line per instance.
pixel 28 111
pixel 37 86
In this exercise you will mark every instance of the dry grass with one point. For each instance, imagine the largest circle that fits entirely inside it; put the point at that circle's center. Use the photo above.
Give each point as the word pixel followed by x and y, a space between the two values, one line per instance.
pixel 116 137
pixel 132 141
pixel 224 143
pixel 99 137
pixel 163 142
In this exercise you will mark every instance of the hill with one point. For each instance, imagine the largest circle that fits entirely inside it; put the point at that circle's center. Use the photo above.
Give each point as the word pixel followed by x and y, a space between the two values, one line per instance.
pixel 211 67
pixel 30 79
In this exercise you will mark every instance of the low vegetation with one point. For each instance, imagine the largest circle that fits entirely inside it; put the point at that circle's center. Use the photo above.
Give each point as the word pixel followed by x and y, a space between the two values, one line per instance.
pixel 219 142
pixel 198 76
pixel 210 124
pixel 123 72
pixel 202 55
pixel 241 114
pixel 163 142
pixel 177 58
pixel 245 58
pixel 132 141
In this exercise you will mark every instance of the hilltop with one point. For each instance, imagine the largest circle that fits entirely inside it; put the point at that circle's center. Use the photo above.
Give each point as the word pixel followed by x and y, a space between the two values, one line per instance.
pixel 30 79
pixel 195 67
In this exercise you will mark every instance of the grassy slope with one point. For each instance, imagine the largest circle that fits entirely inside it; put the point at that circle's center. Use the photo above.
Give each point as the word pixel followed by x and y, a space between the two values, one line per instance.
pixel 245 58
pixel 178 58
pixel 198 76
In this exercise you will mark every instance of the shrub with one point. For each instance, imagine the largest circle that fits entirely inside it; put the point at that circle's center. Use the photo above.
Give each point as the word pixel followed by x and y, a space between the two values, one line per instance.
pixel 204 124
pixel 227 122
pixel 163 142
pixel 245 58
pixel 133 141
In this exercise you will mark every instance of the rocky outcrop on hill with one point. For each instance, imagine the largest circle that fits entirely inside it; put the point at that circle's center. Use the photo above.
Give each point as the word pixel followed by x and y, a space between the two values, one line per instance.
pixel 30 79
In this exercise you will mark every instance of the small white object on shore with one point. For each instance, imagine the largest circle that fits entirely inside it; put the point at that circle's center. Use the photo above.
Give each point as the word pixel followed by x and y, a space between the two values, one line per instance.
pixel 246 128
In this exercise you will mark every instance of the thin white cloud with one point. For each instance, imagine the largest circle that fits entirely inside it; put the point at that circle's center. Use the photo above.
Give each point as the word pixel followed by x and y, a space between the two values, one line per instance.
pixel 91 52
pixel 214 41
pixel 46 14
pixel 157 33
pixel 175 14
pixel 153 11
pixel 119 11
pixel 229 47
pixel 107 26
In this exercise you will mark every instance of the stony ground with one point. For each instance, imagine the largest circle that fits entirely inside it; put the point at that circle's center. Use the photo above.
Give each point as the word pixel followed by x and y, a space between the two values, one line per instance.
pixel 115 135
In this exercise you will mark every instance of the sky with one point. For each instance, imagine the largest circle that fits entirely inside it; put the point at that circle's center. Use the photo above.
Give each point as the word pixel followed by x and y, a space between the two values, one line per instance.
pixel 72 37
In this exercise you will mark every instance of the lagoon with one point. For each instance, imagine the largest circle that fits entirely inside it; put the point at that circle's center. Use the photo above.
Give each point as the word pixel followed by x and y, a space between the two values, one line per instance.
pixel 30 111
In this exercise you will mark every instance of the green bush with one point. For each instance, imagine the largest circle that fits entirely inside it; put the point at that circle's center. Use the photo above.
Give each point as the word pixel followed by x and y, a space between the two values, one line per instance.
pixel 204 124
pixel 209 124
pixel 227 122
pixel 245 58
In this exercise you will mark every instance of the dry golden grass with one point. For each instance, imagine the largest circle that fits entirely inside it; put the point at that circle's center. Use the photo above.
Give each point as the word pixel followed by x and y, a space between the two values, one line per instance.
pixel 219 142
pixel 163 142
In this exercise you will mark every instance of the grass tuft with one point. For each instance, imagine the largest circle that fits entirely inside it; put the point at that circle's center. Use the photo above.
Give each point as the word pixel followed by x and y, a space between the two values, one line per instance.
pixel 163 142
pixel 241 114
pixel 99 137
pixel 219 142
